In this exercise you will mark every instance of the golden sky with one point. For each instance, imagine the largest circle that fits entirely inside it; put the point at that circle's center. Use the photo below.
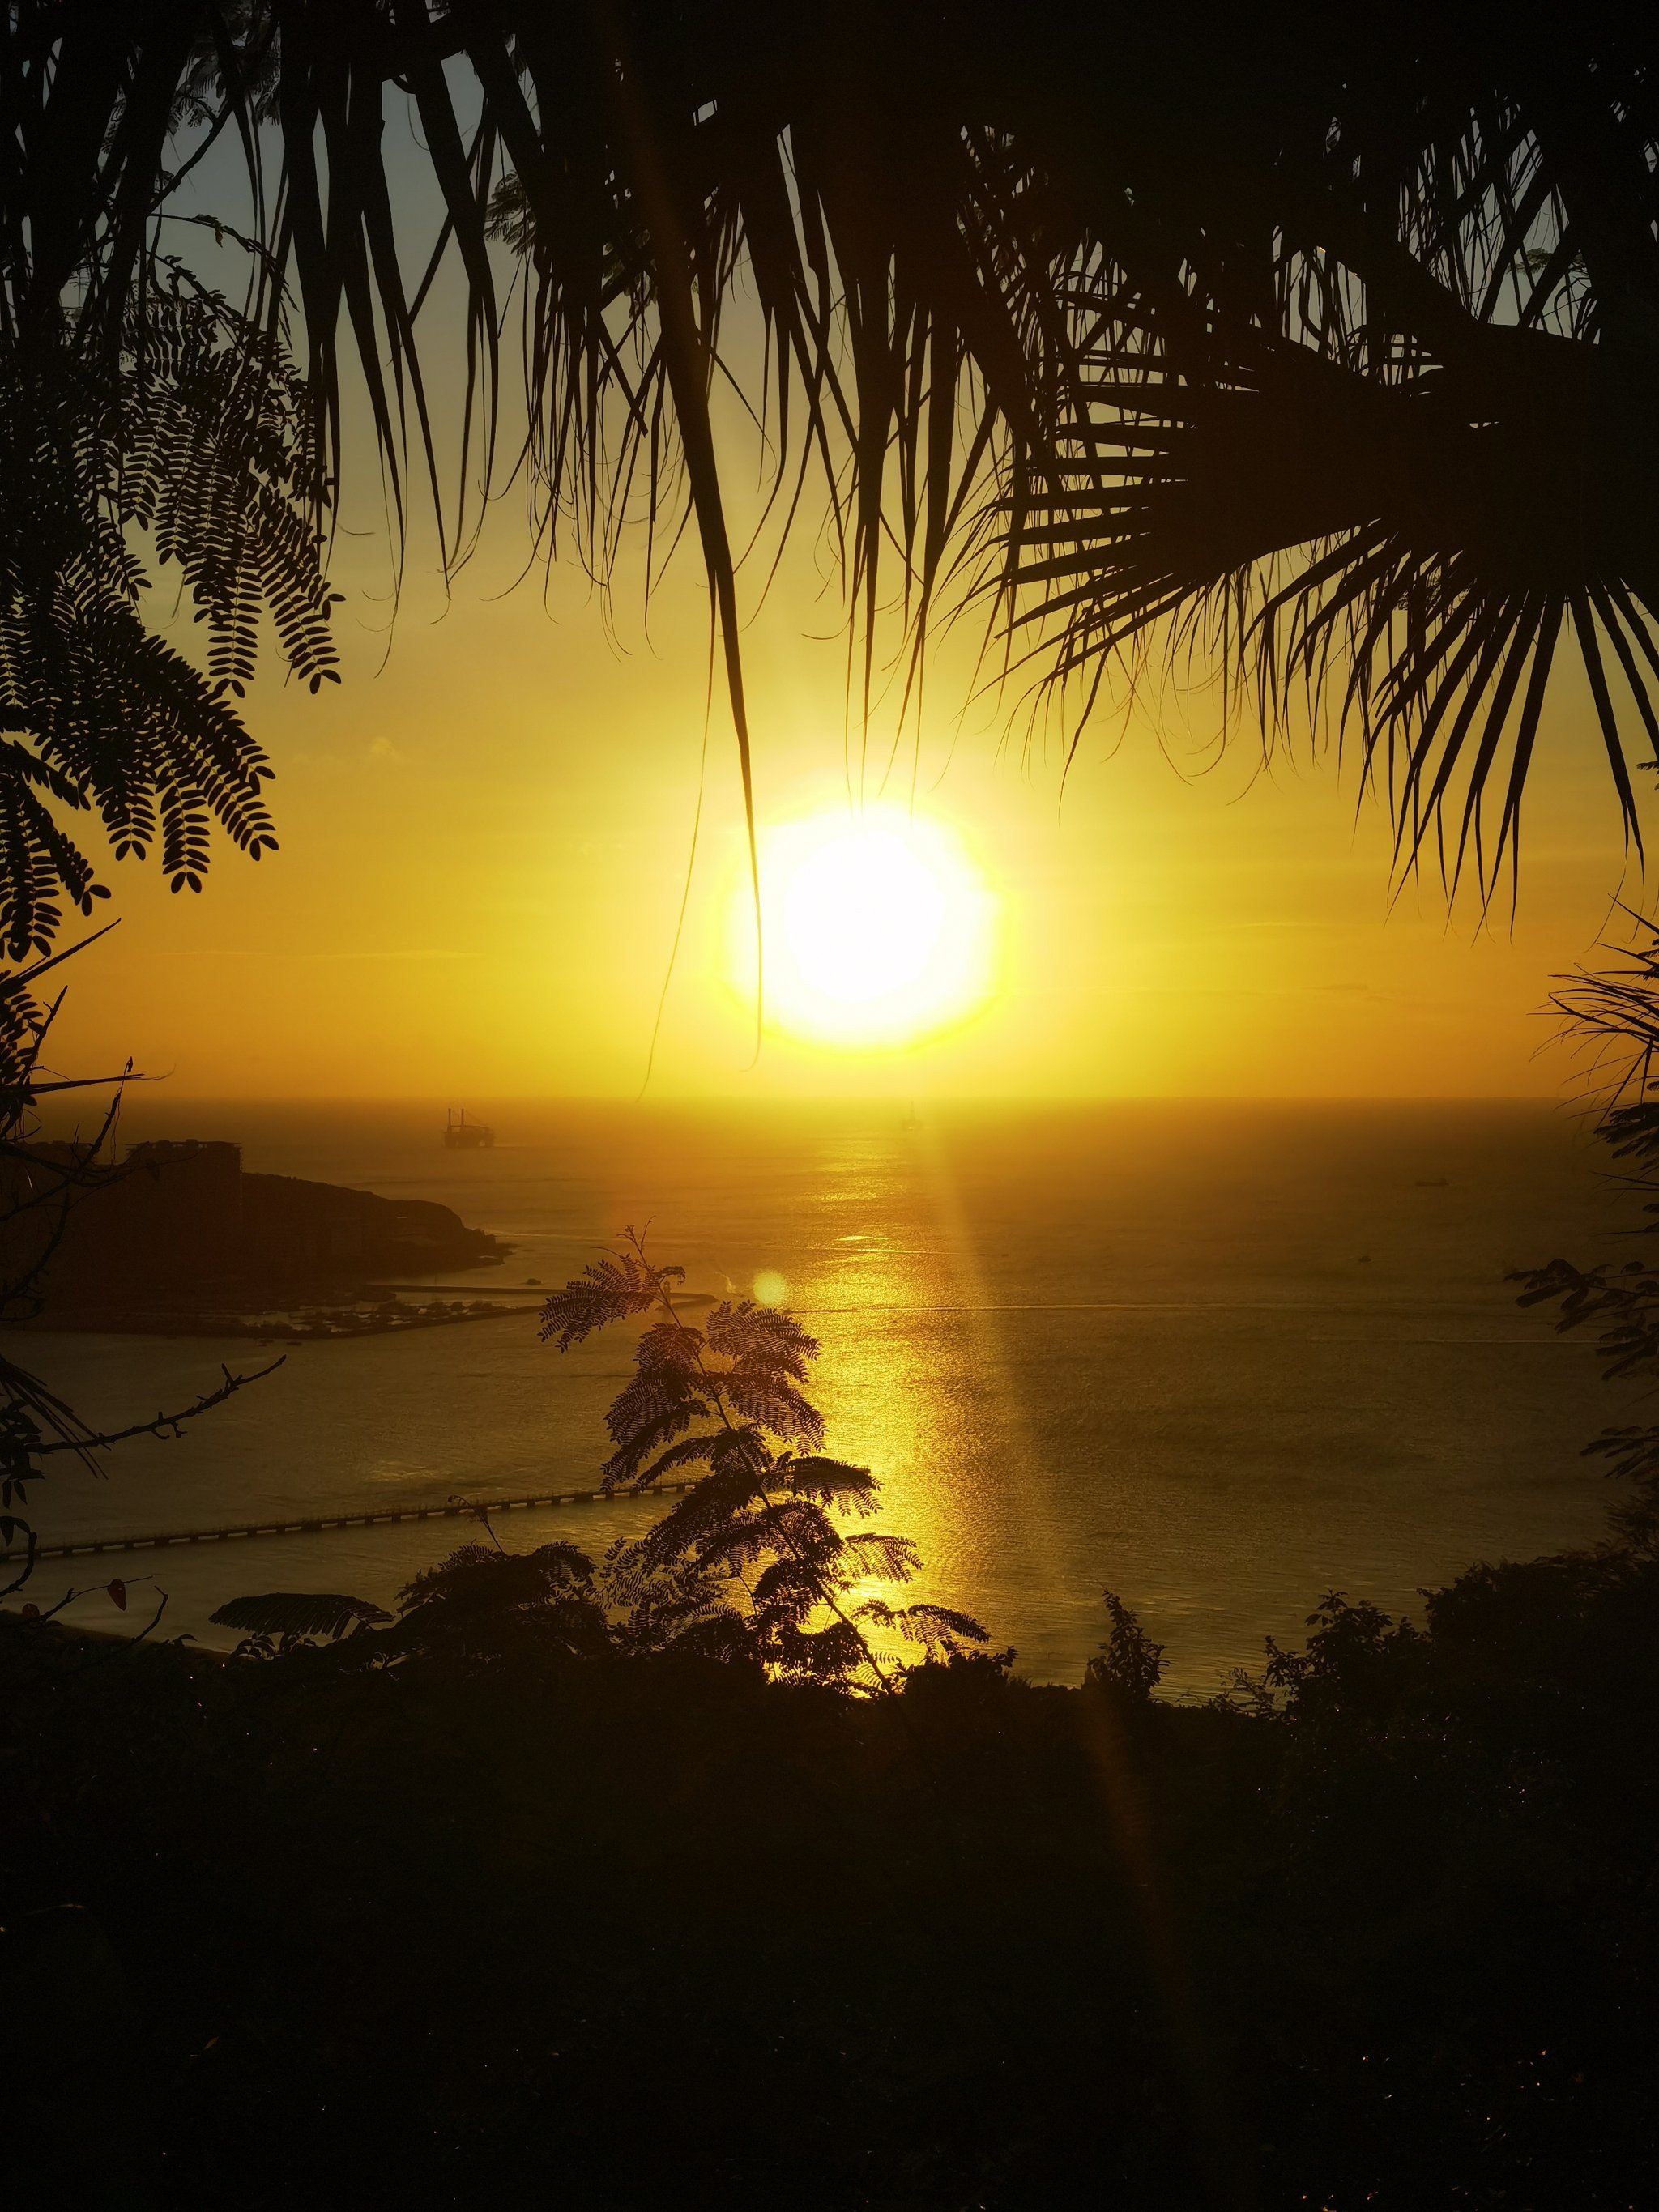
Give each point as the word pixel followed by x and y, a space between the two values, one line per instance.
pixel 486 829
pixel 484 834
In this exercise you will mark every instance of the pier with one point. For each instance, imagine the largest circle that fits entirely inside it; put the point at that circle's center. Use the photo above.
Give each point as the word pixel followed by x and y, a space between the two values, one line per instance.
pixel 311 1523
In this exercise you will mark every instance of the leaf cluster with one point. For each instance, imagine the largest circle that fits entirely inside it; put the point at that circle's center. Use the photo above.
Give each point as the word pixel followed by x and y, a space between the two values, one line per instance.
pixel 190 444
pixel 1128 1664
pixel 754 1564
pixel 1613 1016
pixel 280 1619
pixel 1319 344
pixel 754 1557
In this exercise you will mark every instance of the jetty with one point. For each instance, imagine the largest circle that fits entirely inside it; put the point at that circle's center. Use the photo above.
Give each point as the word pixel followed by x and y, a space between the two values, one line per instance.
pixel 363 1517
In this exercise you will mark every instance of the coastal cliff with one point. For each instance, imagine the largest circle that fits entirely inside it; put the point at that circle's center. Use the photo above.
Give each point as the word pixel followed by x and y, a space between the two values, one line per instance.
pixel 180 1227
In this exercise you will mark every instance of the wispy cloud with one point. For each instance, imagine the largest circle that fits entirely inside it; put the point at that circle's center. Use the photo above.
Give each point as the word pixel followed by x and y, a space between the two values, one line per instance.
pixel 279 952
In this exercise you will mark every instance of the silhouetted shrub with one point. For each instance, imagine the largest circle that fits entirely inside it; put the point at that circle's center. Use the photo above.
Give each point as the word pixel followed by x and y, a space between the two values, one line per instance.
pixel 1128 1663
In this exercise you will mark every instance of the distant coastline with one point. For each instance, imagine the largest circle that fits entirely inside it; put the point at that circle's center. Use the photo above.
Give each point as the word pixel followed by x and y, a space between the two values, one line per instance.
pixel 177 1239
pixel 318 1325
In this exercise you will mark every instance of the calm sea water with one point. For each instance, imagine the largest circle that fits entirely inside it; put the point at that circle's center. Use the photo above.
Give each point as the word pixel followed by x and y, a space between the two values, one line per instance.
pixel 1221 1358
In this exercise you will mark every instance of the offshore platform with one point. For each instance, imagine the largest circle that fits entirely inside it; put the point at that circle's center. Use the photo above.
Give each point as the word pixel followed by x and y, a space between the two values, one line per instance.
pixel 461 1135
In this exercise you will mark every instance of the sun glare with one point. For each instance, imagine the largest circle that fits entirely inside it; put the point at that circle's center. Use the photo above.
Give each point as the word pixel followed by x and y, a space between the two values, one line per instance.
pixel 879 929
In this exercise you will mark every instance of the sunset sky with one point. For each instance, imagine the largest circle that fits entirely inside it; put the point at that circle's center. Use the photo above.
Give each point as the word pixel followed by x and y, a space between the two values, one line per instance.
pixel 485 831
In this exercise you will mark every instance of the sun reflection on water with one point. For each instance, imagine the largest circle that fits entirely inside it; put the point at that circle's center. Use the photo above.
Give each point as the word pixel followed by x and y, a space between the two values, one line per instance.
pixel 932 1406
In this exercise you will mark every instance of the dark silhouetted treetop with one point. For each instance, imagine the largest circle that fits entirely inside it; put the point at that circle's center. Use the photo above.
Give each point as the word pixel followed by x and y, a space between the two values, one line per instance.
pixel 750 1565
pixel 1323 341
pixel 298 1614
pixel 751 1559
pixel 1128 1663
pixel 483 1595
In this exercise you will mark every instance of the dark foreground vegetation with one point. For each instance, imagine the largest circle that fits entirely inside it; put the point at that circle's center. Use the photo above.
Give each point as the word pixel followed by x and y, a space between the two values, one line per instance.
pixel 701 1875
pixel 1304 343
pixel 502 1919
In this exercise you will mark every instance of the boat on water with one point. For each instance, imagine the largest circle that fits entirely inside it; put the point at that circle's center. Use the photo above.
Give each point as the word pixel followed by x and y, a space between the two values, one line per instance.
pixel 461 1135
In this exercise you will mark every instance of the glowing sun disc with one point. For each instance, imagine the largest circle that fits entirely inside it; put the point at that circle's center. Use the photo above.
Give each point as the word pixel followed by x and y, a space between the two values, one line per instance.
pixel 879 929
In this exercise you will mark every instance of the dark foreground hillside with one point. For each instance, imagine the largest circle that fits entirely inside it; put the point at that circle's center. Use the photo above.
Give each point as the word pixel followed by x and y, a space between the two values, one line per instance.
pixel 483 1929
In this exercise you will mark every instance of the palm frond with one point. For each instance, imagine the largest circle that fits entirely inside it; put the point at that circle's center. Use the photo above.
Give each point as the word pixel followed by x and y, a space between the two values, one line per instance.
pixel 1611 1012
pixel 1132 324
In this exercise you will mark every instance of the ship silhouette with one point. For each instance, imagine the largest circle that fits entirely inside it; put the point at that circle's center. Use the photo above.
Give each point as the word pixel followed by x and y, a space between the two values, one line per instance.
pixel 461 1135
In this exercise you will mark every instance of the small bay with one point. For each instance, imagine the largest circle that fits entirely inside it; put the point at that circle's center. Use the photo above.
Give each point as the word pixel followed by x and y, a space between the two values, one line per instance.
pixel 1221 1356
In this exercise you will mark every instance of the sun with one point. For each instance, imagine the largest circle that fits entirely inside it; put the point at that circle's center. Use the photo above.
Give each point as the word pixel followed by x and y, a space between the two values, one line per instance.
pixel 879 928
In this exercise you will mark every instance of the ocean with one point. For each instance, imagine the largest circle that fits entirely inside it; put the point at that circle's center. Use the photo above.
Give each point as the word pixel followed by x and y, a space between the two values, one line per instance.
pixel 1219 1358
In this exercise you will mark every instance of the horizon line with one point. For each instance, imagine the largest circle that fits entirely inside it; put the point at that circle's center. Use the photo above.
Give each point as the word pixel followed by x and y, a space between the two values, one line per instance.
pixel 437 1100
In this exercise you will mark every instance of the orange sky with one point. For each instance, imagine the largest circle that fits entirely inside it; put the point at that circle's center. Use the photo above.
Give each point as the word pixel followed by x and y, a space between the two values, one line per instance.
pixel 484 835
pixel 485 841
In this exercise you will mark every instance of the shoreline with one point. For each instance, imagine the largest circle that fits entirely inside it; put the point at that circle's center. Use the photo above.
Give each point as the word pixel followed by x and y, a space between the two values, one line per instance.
pixel 306 1326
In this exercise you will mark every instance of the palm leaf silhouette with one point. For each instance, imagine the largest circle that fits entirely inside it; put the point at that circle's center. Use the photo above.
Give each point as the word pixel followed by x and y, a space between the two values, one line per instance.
pixel 1318 345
